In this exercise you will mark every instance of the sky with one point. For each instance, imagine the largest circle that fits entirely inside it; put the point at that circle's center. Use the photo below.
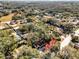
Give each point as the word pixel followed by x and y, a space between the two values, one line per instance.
pixel 39 0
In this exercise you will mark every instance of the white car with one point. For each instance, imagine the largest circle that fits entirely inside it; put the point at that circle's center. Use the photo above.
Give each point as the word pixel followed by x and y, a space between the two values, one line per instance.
pixel 76 33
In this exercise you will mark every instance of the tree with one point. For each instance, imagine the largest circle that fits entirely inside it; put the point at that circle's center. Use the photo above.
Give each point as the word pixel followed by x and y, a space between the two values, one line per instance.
pixel 17 17
pixel 6 42
pixel 68 28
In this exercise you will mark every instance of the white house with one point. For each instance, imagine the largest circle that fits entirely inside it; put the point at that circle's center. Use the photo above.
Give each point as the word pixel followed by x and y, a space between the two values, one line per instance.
pixel 65 42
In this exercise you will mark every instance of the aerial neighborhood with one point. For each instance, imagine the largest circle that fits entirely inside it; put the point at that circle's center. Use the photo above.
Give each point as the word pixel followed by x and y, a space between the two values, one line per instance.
pixel 39 30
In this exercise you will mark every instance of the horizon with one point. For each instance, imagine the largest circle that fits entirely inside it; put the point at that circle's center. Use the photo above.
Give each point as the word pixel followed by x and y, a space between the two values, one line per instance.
pixel 38 0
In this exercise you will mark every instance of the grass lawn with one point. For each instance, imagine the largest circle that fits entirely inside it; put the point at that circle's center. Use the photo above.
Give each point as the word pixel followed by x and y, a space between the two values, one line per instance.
pixel 7 18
